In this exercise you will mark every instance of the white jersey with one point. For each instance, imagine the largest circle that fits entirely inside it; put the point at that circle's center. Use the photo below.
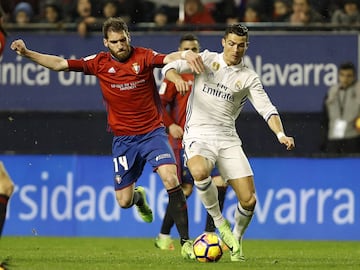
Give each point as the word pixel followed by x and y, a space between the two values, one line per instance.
pixel 219 94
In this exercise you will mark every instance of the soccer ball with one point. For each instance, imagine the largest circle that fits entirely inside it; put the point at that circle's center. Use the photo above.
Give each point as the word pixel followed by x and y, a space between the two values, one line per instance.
pixel 207 248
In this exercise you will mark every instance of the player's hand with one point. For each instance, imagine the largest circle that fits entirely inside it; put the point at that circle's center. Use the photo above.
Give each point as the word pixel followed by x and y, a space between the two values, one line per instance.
pixel 288 141
pixel 181 86
pixel 195 62
pixel 19 47
pixel 176 131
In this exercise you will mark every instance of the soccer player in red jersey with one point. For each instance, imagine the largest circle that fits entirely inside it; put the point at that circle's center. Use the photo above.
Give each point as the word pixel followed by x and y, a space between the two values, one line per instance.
pixel 134 116
pixel 6 184
pixel 174 113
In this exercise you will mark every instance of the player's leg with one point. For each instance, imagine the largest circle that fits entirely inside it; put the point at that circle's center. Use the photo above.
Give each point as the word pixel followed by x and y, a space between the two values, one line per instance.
pixel 6 190
pixel 221 187
pixel 245 192
pixel 177 202
pixel 163 240
pixel 236 170
pixel 160 155
pixel 128 166
pixel 200 169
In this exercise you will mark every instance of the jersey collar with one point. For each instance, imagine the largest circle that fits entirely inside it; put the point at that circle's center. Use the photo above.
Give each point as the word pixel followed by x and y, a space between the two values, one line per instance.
pixel 224 65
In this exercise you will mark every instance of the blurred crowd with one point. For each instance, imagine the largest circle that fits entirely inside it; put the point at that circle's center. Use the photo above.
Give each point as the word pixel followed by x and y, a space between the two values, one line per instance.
pixel 88 14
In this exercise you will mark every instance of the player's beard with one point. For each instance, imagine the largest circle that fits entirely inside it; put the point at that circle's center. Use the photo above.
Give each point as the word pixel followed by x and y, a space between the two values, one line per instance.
pixel 122 54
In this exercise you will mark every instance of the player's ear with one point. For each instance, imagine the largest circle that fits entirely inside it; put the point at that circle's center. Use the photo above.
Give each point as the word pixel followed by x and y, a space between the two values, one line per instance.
pixel 223 42
pixel 105 42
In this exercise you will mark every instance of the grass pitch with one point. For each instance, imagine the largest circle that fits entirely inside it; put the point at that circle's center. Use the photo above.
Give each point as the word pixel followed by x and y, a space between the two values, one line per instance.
pixel 55 253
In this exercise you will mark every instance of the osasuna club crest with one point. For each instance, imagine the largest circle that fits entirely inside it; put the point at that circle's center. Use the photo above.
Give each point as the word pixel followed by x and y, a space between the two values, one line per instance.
pixel 136 68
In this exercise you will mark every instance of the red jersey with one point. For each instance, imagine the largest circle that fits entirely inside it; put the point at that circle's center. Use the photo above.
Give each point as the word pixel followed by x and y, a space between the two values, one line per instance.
pixel 2 42
pixel 128 88
pixel 174 106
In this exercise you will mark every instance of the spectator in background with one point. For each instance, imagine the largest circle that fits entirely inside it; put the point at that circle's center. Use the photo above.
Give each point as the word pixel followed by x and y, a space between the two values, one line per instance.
pixel 253 14
pixel 110 9
pixel 196 13
pixel 52 12
pixel 347 15
pixel 23 13
pixel 161 18
pixel 303 13
pixel 35 6
pixel 229 11
pixel 84 16
pixel 341 113
pixel 133 11
pixel 281 11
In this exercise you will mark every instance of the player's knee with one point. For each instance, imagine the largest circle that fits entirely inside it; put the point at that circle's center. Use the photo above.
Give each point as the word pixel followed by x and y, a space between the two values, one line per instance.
pixel 250 203
pixel 124 202
pixel 199 173
pixel 7 188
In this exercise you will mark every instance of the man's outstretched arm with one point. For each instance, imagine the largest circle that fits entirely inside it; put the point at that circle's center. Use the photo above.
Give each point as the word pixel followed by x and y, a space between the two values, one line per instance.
pixel 49 61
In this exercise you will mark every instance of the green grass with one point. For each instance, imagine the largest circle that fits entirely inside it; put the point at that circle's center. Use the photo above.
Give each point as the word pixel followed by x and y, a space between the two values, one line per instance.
pixel 52 253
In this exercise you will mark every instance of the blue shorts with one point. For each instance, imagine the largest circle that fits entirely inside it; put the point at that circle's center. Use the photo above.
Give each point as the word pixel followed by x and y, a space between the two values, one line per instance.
pixel 130 153
pixel 183 172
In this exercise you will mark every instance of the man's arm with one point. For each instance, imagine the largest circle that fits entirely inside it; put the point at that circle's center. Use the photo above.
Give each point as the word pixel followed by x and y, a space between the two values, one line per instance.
pixel 193 59
pixel 49 61
pixel 181 85
pixel 276 126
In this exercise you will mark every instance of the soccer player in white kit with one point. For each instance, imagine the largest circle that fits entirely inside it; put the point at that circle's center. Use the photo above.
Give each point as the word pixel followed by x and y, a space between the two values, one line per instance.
pixel 210 136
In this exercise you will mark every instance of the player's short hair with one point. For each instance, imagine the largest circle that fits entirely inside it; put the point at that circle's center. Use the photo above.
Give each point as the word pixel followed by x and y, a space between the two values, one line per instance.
pixel 114 24
pixel 188 37
pixel 237 29
pixel 347 65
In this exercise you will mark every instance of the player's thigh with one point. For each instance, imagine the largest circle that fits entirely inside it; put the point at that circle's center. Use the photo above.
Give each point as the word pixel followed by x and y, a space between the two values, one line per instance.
pixel 200 157
pixel 233 163
pixel 125 196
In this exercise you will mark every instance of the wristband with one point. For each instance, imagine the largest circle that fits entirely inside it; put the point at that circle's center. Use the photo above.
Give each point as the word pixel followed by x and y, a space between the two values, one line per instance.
pixel 280 134
pixel 183 54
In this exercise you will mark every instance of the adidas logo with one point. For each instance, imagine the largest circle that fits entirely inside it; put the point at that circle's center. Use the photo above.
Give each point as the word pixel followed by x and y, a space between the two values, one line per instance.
pixel 111 70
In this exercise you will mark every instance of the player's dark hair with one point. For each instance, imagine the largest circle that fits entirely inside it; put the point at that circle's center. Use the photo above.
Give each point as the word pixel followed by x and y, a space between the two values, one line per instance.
pixel 237 29
pixel 348 65
pixel 115 25
pixel 189 37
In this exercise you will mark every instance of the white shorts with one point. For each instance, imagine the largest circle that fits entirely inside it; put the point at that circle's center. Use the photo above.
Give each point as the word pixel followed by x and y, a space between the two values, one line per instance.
pixel 227 154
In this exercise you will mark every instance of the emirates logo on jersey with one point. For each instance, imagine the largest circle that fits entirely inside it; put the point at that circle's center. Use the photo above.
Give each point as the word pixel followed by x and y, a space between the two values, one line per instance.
pixel 136 68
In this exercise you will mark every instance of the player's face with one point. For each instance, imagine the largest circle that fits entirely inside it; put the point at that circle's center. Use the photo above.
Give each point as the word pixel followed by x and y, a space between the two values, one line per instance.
pixel 234 48
pixel 346 78
pixel 190 45
pixel 118 44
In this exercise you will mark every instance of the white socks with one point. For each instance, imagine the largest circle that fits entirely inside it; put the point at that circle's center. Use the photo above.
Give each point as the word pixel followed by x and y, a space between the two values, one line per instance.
pixel 242 220
pixel 208 193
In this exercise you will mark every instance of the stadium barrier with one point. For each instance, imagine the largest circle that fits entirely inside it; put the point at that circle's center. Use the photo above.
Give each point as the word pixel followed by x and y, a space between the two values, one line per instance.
pixel 72 195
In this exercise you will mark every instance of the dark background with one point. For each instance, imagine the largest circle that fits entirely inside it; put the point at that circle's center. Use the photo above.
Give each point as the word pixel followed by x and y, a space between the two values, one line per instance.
pixel 86 133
